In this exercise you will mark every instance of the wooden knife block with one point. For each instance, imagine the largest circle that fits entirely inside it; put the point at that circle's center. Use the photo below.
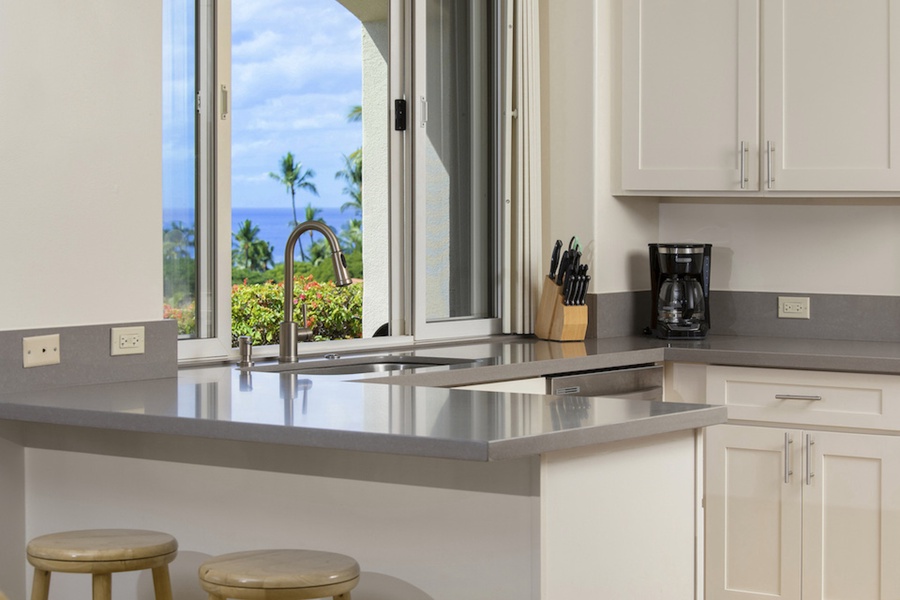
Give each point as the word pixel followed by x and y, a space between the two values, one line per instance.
pixel 556 321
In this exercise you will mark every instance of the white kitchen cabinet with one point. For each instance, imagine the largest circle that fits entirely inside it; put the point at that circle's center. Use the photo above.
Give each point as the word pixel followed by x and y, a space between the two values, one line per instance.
pixel 761 96
pixel 690 81
pixel 795 514
pixel 792 511
pixel 753 519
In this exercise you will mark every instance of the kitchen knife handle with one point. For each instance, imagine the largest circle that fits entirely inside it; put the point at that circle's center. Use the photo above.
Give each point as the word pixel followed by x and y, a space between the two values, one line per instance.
pixel 563 267
pixel 554 258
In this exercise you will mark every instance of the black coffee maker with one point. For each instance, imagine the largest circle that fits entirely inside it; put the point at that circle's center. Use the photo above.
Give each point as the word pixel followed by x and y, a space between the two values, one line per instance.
pixel 679 276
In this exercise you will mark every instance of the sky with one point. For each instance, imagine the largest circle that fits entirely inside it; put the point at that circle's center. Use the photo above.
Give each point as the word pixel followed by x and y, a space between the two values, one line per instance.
pixel 296 73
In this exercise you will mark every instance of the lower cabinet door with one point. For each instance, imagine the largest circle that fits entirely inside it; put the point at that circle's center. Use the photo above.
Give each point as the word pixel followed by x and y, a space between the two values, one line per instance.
pixel 851 516
pixel 753 510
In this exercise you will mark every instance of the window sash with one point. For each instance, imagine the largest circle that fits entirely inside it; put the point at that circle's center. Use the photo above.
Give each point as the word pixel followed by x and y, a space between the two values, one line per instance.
pixel 425 328
pixel 213 216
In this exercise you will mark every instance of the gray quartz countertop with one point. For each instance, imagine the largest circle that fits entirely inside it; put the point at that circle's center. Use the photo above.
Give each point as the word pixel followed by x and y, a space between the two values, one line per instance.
pixel 414 413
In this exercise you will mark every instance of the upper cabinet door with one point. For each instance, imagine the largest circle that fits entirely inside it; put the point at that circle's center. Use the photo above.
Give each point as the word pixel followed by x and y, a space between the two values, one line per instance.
pixel 690 95
pixel 831 119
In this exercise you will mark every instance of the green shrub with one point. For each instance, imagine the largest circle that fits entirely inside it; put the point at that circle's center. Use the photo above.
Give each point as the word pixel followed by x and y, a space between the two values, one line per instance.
pixel 320 272
pixel 332 313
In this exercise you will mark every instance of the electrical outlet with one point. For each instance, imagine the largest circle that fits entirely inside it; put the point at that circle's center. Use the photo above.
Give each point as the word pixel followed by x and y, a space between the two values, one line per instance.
pixel 40 350
pixel 793 307
pixel 126 340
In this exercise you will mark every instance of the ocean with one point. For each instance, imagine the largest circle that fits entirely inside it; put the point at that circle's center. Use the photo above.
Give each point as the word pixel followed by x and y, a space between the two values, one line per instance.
pixel 273 222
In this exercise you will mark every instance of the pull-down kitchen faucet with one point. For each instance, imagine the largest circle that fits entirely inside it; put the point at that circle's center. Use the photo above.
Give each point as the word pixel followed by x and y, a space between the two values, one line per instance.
pixel 289 331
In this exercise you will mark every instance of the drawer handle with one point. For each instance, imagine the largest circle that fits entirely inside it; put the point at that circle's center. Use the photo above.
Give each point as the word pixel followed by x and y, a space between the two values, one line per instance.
pixel 797 397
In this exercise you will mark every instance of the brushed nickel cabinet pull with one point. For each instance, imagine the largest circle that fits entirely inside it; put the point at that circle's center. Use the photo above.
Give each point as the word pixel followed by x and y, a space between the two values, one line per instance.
pixel 744 151
pixel 809 473
pixel 797 397
pixel 787 457
pixel 770 178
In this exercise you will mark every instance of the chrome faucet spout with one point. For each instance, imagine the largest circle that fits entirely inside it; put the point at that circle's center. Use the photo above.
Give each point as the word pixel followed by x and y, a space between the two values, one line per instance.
pixel 288 331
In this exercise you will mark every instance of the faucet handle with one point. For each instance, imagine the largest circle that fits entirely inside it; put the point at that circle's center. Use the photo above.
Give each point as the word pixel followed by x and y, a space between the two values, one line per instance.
pixel 304 333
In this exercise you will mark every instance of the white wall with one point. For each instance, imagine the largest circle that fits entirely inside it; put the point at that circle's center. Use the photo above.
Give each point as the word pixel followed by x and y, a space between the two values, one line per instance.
pixel 580 70
pixel 80 166
pixel 375 186
pixel 783 247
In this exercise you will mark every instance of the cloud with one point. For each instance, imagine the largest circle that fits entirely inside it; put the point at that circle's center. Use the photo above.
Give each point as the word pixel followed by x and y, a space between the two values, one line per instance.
pixel 296 73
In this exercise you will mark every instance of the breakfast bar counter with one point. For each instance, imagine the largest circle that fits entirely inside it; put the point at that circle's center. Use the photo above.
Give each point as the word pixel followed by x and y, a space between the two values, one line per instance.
pixel 529 495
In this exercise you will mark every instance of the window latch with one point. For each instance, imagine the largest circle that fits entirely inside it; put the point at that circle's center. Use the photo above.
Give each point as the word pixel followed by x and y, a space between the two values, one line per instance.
pixel 223 90
pixel 400 115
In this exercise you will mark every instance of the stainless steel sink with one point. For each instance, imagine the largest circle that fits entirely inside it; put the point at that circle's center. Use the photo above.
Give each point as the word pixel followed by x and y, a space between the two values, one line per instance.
pixel 352 365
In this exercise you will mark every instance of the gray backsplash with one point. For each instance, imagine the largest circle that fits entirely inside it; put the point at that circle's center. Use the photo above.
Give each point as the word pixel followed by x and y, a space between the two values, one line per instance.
pixel 832 316
pixel 85 357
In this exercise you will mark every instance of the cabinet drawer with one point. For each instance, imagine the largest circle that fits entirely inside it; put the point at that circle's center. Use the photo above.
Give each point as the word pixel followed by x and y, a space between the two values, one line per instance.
pixel 852 400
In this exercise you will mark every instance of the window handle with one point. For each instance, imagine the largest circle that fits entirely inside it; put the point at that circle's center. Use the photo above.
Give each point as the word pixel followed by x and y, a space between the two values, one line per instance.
pixel 223 94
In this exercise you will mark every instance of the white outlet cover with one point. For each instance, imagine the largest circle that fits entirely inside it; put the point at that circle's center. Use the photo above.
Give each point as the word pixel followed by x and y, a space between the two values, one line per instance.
pixel 793 307
pixel 40 350
pixel 126 340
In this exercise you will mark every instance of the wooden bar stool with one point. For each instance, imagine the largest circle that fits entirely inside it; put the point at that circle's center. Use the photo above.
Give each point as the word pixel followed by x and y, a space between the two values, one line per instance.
pixel 102 552
pixel 279 575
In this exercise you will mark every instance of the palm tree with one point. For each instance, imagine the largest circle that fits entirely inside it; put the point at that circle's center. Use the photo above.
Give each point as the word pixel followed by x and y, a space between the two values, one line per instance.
pixel 250 252
pixel 312 214
pixel 355 114
pixel 351 236
pixel 319 251
pixel 294 177
pixel 351 174
pixel 178 240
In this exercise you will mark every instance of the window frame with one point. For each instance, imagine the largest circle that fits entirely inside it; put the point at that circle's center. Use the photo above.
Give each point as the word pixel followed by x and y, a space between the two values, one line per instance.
pixel 213 219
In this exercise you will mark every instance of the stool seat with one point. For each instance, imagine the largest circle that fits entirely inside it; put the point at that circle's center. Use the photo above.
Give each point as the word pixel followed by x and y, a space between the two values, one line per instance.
pixel 102 552
pixel 100 546
pixel 279 574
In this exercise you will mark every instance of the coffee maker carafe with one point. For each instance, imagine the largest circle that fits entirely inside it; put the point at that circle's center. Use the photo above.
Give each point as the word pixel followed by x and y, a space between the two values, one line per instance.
pixel 679 277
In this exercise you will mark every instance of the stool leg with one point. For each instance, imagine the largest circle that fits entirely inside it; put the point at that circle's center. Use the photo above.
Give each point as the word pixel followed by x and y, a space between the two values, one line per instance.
pixel 344 596
pixel 40 587
pixel 162 585
pixel 102 583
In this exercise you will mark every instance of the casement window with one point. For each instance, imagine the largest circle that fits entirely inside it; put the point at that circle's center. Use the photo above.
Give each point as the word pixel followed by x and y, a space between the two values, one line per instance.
pixel 436 183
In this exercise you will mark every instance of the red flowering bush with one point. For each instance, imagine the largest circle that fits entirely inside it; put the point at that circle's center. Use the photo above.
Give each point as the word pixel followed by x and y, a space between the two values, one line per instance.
pixel 186 317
